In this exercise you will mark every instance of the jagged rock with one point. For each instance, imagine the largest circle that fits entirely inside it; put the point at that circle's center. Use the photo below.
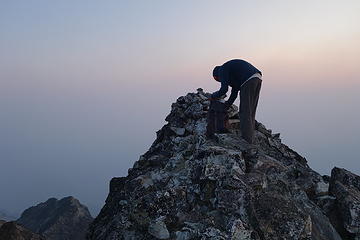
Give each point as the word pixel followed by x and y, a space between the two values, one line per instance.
pixel 158 229
pixel 178 131
pixel 56 219
pixel 189 187
pixel 345 187
pixel 321 188
pixel 13 231
pixel 239 230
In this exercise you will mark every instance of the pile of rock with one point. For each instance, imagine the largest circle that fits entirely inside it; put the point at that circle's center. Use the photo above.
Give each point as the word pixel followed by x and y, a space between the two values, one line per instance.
pixel 189 187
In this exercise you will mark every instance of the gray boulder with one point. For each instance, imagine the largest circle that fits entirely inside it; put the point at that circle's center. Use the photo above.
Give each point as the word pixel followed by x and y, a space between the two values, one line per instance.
pixel 345 187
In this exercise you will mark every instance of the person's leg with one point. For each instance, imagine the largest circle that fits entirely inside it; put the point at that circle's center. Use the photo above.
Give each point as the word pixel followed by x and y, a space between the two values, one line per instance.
pixel 249 96
pixel 256 100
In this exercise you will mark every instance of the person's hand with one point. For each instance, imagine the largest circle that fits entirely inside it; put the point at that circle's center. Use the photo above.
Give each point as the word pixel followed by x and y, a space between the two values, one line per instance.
pixel 227 105
pixel 213 99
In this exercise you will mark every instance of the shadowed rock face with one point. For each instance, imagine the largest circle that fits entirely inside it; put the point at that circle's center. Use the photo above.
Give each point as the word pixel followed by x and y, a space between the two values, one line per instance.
pixel 57 219
pixel 189 187
pixel 2 222
pixel 345 187
pixel 13 231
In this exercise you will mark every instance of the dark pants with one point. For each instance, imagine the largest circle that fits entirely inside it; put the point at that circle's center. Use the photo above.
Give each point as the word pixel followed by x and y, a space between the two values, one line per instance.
pixel 249 96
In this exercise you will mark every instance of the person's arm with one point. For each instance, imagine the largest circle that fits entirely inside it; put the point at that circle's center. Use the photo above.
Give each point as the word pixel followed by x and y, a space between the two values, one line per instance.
pixel 224 78
pixel 233 96
pixel 223 90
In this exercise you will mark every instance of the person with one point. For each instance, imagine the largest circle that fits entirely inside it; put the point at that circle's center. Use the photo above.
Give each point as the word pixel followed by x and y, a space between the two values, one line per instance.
pixel 242 77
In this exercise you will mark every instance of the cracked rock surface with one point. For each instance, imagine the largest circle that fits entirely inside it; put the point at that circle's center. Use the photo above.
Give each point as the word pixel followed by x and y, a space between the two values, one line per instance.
pixel 189 187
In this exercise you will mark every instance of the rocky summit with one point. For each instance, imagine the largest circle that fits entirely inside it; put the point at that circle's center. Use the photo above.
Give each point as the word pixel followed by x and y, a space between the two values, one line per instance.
pixel 187 186
pixel 64 219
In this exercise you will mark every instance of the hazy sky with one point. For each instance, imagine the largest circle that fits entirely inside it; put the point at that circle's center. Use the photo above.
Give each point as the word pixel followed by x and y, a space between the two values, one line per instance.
pixel 84 85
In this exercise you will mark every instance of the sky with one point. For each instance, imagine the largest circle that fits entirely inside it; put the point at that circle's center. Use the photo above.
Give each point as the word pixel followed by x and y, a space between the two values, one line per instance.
pixel 84 85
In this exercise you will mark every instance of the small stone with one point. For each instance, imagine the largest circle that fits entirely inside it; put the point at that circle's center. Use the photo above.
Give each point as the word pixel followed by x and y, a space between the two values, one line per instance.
pixel 178 131
pixel 203 98
pixel 321 188
pixel 145 181
pixel 234 124
pixel 180 235
pixel 214 233
pixel 276 135
pixel 239 231
pixel 200 127
pixel 158 229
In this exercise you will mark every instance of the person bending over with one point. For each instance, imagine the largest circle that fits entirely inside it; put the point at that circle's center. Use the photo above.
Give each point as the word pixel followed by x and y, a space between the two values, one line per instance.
pixel 245 79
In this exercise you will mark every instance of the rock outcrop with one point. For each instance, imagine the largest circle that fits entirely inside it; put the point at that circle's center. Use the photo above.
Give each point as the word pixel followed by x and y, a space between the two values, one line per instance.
pixel 56 219
pixel 189 187
pixel 344 209
pixel 13 231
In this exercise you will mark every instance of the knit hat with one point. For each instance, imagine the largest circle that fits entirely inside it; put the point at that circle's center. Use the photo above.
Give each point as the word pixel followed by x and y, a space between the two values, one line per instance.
pixel 216 71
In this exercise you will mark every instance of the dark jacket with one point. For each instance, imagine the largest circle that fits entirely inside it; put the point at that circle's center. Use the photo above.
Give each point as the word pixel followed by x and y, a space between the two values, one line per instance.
pixel 234 73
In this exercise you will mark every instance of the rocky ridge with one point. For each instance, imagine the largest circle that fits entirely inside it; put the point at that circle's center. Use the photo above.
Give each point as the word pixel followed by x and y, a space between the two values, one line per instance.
pixel 57 219
pixel 189 187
